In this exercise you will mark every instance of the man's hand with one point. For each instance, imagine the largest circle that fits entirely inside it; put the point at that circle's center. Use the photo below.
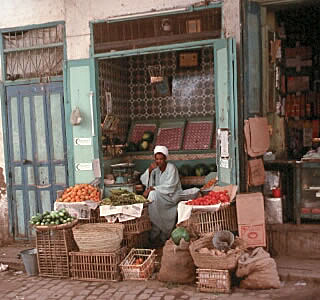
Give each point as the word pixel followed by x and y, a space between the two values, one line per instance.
pixel 152 167
pixel 147 191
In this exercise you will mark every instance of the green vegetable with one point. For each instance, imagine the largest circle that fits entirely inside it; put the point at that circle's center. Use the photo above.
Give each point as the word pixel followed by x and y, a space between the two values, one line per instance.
pixel 143 146
pixel 178 234
pixel 185 170
pixel 147 136
pixel 201 170
pixel 132 147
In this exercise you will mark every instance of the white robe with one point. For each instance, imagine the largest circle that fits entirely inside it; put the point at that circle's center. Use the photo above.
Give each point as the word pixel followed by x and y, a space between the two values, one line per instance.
pixel 165 197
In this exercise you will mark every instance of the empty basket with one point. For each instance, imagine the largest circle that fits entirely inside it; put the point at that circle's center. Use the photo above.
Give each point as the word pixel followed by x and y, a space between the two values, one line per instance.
pixel 98 237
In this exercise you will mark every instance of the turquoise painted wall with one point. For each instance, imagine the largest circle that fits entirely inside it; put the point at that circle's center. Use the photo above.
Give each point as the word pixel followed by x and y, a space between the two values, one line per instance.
pixel 78 93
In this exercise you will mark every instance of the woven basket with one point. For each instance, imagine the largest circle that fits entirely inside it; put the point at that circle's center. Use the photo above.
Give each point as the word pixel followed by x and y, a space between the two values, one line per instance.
pixel 210 261
pixel 56 227
pixel 98 237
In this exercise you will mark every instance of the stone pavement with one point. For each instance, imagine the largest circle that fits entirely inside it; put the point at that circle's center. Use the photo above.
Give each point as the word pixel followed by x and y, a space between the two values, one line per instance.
pixel 18 285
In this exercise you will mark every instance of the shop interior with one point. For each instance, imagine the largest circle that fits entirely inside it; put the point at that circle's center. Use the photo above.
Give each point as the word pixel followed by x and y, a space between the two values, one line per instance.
pixel 162 98
pixel 293 103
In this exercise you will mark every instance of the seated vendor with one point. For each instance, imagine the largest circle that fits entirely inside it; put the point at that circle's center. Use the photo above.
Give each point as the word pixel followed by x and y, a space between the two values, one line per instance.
pixel 163 188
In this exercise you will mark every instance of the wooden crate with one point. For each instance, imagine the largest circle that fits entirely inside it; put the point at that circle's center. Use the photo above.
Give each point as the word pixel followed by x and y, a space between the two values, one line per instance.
pixel 205 221
pixel 96 266
pixel 135 226
pixel 53 247
pixel 213 281
pixel 143 271
pixel 139 240
pixel 138 225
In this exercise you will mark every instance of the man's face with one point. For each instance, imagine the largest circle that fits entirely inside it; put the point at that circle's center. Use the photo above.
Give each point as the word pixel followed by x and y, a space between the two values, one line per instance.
pixel 160 160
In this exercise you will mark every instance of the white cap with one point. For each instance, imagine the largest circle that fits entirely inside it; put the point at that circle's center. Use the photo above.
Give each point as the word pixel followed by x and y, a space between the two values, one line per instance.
pixel 161 149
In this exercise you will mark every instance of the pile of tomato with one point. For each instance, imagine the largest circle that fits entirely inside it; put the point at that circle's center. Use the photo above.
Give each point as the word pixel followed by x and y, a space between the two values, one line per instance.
pixel 79 193
pixel 212 198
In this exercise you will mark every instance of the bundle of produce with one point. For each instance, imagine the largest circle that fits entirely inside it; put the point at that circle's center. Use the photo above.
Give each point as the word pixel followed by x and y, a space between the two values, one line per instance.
pixel 79 193
pixel 209 184
pixel 52 218
pixel 123 197
pixel 213 198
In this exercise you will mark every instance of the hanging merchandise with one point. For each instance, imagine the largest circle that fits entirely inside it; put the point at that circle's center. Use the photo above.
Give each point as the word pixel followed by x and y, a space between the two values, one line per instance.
pixel 75 117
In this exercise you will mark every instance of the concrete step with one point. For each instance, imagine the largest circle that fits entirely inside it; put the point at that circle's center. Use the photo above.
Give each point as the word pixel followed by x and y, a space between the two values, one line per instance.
pixel 294 240
pixel 298 269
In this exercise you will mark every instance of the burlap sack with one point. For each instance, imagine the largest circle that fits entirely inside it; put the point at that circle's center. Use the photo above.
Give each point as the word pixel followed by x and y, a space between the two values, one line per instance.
pixel 176 263
pixel 259 270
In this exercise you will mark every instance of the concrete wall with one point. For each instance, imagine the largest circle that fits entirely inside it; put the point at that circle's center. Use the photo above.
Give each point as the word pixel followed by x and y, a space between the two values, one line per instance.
pixel 77 14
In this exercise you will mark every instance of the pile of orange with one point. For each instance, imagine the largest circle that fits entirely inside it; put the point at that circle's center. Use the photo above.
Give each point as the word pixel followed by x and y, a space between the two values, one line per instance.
pixel 79 193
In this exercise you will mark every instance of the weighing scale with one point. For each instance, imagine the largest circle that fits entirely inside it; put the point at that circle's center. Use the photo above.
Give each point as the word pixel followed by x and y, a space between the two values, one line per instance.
pixel 123 172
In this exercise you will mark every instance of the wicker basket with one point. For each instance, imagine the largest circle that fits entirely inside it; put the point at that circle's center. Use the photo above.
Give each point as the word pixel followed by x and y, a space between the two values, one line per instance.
pixel 53 247
pixel 131 271
pixel 56 227
pixel 139 240
pixel 213 281
pixel 98 237
pixel 208 260
pixel 96 266
pixel 138 225
pixel 223 219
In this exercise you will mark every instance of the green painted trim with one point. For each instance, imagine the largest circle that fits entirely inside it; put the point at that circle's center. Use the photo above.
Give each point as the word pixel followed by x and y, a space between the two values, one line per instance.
pixel 79 62
pixel 155 49
pixel 6 150
pixel 222 21
pixel 3 63
pixel 96 140
pixel 34 47
pixel 91 46
pixel 69 133
pixel 99 150
pixel 33 26
pixel 31 81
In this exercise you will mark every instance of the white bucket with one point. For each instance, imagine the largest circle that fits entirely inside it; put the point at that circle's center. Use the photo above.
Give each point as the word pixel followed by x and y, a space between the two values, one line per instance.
pixel 273 210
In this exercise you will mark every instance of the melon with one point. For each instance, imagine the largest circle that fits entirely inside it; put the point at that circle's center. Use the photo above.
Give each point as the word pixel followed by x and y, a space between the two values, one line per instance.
pixel 178 234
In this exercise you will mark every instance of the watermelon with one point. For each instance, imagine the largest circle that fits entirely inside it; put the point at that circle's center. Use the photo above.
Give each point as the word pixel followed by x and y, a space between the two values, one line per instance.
pixel 178 234
pixel 132 147
pixel 147 136
pixel 185 170
pixel 143 145
pixel 201 170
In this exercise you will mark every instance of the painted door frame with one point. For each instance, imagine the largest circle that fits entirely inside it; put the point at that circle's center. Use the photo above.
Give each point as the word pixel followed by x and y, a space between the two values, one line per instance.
pixel 3 98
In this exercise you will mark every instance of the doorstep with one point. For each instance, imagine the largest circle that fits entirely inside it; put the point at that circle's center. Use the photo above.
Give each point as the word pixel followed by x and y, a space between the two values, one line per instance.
pixel 297 268
pixel 10 254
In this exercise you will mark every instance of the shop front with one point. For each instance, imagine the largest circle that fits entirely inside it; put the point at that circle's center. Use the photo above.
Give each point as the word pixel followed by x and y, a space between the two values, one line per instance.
pixel 285 47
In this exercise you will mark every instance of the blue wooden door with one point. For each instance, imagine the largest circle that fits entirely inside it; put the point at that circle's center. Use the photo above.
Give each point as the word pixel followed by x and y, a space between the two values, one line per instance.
pixel 37 151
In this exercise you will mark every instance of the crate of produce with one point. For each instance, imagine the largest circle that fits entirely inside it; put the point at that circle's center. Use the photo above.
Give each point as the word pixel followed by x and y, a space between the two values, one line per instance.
pixel 96 266
pixel 139 240
pixel 98 237
pixel 213 281
pixel 139 264
pixel 204 254
pixel 223 219
pixel 54 245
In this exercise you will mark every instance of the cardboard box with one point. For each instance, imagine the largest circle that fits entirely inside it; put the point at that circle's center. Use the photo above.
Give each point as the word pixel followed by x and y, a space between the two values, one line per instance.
pixel 251 219
pixel 254 235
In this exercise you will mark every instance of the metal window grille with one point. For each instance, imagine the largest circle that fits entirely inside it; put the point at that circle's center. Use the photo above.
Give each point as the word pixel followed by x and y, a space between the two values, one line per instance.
pixel 34 53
